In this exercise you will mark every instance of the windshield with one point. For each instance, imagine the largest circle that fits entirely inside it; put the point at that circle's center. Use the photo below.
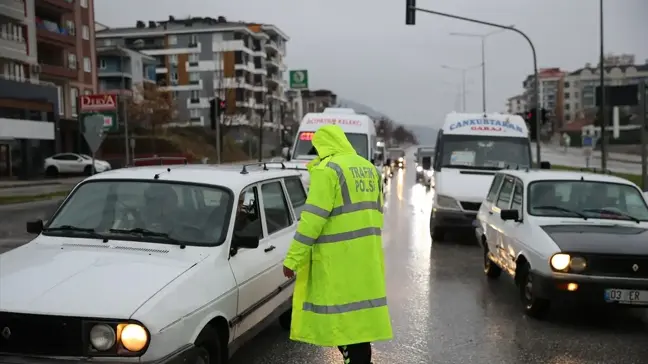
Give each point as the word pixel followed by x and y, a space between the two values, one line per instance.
pixel 484 152
pixel 588 199
pixel 185 213
pixel 85 156
pixel 305 144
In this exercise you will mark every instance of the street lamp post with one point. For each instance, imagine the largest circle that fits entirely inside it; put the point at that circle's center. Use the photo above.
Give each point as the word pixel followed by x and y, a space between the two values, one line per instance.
pixel 463 71
pixel 602 109
pixel 483 57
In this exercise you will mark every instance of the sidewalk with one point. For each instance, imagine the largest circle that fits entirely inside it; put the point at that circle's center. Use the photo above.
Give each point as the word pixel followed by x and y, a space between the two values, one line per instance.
pixel 596 154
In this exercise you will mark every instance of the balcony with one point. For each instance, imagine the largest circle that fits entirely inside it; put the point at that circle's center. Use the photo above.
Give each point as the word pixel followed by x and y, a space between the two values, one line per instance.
pixel 14 9
pixel 51 33
pixel 13 48
pixel 55 6
pixel 58 71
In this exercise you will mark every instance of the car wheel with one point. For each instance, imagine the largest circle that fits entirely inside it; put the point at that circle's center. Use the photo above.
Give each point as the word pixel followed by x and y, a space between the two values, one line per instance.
pixel 285 319
pixel 87 170
pixel 210 344
pixel 492 270
pixel 437 233
pixel 535 307
pixel 51 171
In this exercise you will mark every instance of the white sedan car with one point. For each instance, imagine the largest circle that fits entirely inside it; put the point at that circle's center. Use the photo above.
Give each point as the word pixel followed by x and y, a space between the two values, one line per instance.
pixel 175 264
pixel 566 236
pixel 71 163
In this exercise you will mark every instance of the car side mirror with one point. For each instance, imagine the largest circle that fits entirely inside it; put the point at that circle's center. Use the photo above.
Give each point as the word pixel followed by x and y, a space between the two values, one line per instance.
pixel 35 227
pixel 510 215
pixel 545 165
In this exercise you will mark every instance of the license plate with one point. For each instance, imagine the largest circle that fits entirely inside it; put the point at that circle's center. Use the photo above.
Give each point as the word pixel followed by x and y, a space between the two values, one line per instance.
pixel 626 296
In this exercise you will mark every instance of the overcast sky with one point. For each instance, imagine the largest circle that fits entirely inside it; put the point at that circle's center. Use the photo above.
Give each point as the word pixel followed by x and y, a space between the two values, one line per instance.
pixel 363 51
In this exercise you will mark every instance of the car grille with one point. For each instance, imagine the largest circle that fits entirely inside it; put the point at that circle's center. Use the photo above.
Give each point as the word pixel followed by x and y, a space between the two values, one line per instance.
pixel 470 206
pixel 40 335
pixel 617 266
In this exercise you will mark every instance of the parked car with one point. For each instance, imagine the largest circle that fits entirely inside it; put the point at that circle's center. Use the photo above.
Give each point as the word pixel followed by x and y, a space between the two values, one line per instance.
pixel 566 236
pixel 173 264
pixel 71 163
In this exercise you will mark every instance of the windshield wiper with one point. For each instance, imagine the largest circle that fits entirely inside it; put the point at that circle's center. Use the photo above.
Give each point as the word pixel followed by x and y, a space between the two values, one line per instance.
pixel 558 208
pixel 66 228
pixel 149 233
pixel 614 212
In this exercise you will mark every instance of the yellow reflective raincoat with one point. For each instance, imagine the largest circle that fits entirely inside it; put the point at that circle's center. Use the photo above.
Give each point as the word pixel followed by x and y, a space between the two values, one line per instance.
pixel 337 256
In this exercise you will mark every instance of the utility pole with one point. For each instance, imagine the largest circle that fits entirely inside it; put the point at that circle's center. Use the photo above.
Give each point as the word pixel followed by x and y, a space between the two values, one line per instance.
pixel 602 108
pixel 643 87
pixel 463 71
pixel 124 107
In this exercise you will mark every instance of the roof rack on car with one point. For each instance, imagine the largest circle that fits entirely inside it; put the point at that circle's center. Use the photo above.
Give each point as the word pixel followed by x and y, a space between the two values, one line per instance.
pixel 264 164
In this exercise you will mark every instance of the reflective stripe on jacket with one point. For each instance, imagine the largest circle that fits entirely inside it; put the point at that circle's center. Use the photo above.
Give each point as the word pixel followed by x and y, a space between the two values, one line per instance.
pixel 340 294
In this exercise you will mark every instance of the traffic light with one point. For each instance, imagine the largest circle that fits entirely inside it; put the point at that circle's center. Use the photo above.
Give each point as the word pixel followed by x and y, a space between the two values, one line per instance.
pixel 410 12
pixel 531 122
pixel 217 107
pixel 213 113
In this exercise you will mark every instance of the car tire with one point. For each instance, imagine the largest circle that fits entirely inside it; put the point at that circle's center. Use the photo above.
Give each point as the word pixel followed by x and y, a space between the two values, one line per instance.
pixel 209 341
pixel 51 171
pixel 491 270
pixel 87 170
pixel 437 233
pixel 285 320
pixel 535 307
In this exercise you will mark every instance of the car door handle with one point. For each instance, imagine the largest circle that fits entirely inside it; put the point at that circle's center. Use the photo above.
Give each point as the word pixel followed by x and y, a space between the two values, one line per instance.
pixel 270 248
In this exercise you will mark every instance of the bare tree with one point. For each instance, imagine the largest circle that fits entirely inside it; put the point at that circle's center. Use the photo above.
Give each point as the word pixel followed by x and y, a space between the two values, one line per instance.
pixel 150 108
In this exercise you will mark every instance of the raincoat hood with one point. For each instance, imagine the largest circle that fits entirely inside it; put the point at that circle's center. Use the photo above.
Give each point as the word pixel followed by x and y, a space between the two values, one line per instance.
pixel 330 140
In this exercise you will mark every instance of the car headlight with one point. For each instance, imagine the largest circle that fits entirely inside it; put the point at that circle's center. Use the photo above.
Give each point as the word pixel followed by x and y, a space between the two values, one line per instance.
pixel 419 169
pixel 446 202
pixel 400 160
pixel 429 173
pixel 133 337
pixel 102 337
pixel 564 262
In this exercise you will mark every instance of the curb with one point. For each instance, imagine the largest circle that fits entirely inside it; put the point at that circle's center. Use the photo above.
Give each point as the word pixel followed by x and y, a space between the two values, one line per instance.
pixel 33 184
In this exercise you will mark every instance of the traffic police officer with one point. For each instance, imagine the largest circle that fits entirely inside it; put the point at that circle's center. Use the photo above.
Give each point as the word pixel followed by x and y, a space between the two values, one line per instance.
pixel 340 295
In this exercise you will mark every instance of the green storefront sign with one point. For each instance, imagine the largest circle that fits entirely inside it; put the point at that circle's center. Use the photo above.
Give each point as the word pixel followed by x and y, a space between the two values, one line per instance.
pixel 299 80
pixel 110 120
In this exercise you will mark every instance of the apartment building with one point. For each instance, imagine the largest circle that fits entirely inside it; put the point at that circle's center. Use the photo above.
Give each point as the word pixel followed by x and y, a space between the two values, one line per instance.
pixel 37 41
pixel 65 48
pixel 318 100
pixel 550 93
pixel 580 86
pixel 121 70
pixel 516 104
pixel 200 58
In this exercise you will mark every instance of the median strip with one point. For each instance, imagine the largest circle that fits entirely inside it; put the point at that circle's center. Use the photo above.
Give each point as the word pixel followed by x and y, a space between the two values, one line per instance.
pixel 634 178
pixel 9 200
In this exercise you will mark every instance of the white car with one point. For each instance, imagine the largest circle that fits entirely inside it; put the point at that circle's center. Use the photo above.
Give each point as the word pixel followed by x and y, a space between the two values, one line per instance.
pixel 566 236
pixel 153 264
pixel 71 163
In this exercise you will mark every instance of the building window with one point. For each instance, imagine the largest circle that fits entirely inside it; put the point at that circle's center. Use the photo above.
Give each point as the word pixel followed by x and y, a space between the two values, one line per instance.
pixel 59 91
pixel 74 97
pixel 108 42
pixel 194 57
pixel 85 32
pixel 173 59
pixel 567 95
pixel 84 3
pixel 72 61
pixel 311 106
pixel 566 85
pixel 194 39
pixel 87 92
pixel 194 113
pixel 87 64
pixel 172 40
pixel 195 95
pixel 102 64
pixel 71 28
pixel 194 77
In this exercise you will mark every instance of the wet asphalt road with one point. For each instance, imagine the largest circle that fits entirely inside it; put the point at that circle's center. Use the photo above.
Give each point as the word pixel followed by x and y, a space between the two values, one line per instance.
pixel 443 308
pixel 13 219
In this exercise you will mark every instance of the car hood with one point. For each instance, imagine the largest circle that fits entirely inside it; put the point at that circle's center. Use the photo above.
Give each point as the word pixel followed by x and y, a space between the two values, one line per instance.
pixel 463 184
pixel 84 277
pixel 600 239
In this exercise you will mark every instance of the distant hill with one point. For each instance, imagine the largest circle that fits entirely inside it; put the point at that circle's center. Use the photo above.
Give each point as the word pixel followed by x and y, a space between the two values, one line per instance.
pixel 425 135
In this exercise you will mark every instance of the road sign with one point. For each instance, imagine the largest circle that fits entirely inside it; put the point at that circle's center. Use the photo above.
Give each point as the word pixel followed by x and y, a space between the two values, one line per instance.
pixel 588 141
pixel 94 131
pixel 104 105
pixel 299 79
